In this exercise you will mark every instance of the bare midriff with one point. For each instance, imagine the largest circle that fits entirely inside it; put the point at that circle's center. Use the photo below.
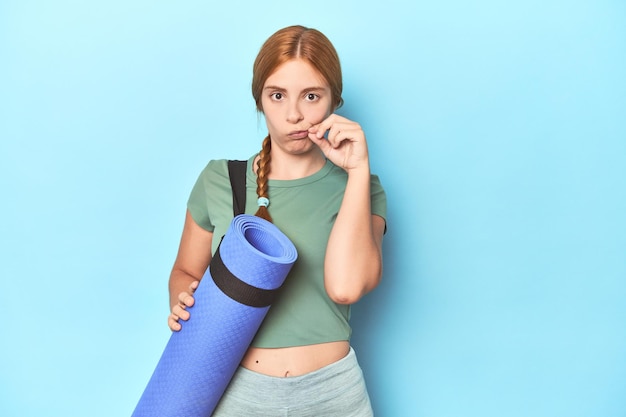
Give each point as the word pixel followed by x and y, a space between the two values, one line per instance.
pixel 294 361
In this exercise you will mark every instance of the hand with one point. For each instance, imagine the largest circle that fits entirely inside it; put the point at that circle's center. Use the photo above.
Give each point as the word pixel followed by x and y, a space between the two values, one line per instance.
pixel 346 146
pixel 179 311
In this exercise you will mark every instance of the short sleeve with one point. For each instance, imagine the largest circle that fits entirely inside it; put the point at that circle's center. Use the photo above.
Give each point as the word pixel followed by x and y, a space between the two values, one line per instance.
pixel 198 201
pixel 378 198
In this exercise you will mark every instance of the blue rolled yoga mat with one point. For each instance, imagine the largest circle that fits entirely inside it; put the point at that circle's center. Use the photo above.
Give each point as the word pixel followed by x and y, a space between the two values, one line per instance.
pixel 232 300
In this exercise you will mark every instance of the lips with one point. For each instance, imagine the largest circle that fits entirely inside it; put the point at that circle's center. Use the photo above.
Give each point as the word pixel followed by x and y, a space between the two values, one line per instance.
pixel 299 134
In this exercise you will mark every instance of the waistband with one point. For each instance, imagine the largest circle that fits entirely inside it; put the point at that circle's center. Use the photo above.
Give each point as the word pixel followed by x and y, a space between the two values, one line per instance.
pixel 327 382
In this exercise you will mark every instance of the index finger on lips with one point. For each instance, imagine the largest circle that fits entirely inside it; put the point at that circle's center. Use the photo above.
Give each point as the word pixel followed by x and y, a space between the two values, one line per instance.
pixel 320 130
pixel 324 125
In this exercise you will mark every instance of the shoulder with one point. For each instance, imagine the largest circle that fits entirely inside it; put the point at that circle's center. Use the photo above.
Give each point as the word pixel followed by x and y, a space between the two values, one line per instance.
pixel 216 168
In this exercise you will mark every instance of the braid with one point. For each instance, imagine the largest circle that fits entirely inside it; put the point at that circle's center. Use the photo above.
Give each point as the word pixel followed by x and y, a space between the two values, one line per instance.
pixel 263 170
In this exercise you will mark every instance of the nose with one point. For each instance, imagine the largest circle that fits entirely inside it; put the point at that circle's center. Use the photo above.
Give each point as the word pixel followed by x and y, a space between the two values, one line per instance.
pixel 294 115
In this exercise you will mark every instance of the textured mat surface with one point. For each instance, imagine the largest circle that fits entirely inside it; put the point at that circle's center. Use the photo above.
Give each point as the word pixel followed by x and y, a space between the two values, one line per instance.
pixel 199 361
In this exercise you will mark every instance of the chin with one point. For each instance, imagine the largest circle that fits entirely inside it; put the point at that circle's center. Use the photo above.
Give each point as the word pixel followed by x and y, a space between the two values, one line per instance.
pixel 302 148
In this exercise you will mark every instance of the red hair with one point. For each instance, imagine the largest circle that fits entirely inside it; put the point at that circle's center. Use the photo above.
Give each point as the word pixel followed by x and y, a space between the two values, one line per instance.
pixel 293 42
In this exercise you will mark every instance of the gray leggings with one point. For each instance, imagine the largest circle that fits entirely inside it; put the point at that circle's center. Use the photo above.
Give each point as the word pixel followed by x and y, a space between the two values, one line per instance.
pixel 337 390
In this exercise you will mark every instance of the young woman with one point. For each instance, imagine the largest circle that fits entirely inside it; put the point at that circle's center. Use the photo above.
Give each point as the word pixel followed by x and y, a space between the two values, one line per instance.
pixel 313 169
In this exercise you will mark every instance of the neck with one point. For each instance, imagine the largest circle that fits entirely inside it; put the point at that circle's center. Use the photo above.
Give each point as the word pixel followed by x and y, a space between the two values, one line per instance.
pixel 291 167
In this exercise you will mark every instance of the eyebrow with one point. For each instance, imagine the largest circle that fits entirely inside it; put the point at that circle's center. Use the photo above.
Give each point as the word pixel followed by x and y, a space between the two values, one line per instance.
pixel 277 88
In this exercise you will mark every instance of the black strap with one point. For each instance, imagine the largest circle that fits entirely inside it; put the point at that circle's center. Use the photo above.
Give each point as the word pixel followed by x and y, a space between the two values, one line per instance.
pixel 237 173
pixel 228 283
pixel 237 289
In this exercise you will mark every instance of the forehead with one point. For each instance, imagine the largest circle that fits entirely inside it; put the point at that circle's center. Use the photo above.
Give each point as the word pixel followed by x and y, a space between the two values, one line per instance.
pixel 296 74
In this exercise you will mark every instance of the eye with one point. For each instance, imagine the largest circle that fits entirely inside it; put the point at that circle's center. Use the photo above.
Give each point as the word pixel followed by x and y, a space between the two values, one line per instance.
pixel 277 96
pixel 311 97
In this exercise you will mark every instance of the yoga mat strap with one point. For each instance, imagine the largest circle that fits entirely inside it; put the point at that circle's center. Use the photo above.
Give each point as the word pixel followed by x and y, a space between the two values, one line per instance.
pixel 237 289
pixel 237 174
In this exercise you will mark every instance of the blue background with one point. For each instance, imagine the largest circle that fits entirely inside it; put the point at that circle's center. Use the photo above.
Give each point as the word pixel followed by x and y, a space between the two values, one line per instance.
pixel 498 130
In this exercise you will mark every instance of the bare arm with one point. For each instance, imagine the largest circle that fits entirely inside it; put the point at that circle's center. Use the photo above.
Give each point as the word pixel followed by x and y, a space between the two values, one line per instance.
pixel 194 255
pixel 353 263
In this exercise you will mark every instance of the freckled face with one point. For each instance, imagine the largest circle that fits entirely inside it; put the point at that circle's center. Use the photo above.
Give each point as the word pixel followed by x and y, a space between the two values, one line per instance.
pixel 295 97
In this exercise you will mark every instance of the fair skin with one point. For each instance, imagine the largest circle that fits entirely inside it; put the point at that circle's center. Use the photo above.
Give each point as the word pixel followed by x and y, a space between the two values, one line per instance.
pixel 298 109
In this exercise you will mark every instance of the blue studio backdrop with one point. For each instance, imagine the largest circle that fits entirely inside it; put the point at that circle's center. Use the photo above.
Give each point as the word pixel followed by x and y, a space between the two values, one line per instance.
pixel 497 128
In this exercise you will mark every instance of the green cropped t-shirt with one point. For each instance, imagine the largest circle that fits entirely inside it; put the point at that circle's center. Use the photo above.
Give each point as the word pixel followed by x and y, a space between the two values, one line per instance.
pixel 304 210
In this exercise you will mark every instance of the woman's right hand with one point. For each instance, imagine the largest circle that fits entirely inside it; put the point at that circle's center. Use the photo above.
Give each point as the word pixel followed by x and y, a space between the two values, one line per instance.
pixel 179 310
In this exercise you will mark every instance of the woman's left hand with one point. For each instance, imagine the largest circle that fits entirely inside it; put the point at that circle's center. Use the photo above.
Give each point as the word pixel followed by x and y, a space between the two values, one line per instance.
pixel 346 146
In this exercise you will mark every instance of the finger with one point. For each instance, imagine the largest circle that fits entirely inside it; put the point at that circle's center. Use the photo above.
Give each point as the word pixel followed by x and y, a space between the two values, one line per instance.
pixel 320 142
pixel 180 313
pixel 317 130
pixel 343 133
pixel 185 299
pixel 172 322
pixel 321 128
pixel 338 127
pixel 193 286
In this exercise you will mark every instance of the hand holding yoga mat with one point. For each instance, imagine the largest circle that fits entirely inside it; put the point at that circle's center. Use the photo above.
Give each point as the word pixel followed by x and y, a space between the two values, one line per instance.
pixel 232 300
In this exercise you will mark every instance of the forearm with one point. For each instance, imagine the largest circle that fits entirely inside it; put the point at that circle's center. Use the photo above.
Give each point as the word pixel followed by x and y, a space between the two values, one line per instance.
pixel 192 260
pixel 353 263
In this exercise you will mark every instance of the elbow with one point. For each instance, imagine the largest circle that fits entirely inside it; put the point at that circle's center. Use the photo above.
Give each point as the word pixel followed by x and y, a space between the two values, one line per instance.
pixel 347 282
pixel 349 293
pixel 344 297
